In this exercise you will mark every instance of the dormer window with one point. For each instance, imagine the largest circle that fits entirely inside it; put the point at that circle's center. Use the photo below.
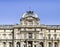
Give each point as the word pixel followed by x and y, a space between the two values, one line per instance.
pixel 30 18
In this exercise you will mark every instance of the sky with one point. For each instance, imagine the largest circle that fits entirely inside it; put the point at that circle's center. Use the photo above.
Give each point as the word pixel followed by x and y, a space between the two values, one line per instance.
pixel 47 10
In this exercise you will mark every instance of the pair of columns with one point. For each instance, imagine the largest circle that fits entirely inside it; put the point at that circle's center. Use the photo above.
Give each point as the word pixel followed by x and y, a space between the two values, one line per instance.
pixel 53 44
pixel 22 44
pixel 6 44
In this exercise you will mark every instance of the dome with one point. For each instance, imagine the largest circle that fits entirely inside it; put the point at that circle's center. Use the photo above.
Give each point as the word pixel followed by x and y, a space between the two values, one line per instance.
pixel 29 13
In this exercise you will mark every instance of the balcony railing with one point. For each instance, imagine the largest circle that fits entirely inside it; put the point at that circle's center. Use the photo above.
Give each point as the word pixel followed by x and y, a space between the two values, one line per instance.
pixel 29 30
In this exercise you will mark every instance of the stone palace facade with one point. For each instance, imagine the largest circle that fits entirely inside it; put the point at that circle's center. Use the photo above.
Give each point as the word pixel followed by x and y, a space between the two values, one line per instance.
pixel 30 33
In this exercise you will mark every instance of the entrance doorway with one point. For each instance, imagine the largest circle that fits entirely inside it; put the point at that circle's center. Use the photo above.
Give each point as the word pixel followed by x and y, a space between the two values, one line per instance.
pixel 41 44
pixel 29 43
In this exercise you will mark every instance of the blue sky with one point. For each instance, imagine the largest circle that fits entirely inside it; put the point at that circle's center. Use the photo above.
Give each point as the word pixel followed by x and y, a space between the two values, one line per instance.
pixel 47 10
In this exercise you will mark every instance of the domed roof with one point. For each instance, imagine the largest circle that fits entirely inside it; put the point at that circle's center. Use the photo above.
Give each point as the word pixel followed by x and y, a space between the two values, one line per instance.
pixel 30 13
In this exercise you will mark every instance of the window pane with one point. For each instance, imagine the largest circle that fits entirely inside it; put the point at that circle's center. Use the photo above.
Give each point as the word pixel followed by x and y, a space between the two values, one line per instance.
pixel 30 35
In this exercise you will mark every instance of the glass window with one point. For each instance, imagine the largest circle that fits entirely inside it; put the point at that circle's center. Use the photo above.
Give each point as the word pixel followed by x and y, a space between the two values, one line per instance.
pixel 49 30
pixel 54 30
pixel 30 35
pixel 25 36
pixel 18 44
pixel 50 44
pixel 34 36
pixel 41 29
pixel 4 44
pixel 49 35
pixel 56 45
pixel 55 35
pixel 10 44
pixel 34 41
pixel 41 44
pixel 10 36
pixel 18 29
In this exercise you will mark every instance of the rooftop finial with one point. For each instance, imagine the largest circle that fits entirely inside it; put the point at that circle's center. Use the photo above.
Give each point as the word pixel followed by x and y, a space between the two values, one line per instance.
pixel 30 12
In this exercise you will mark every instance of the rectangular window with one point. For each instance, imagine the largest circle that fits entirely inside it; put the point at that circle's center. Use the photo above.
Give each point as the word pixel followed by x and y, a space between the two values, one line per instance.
pixel 34 36
pixel 49 35
pixel 54 30
pixel 4 30
pixel 18 29
pixel 4 36
pixel 30 35
pixel 55 35
pixel 49 30
pixel 25 36
pixel 10 44
pixel 41 35
pixel 41 29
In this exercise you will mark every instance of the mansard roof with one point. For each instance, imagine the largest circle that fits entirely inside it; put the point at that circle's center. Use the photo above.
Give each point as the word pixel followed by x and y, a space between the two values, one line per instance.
pixel 53 26
pixel 6 26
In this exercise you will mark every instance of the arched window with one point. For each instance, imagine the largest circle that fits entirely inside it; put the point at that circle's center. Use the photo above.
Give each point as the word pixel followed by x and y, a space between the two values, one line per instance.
pixel 42 44
pixel 4 44
pixel 55 44
pixel 18 44
pixel 50 44
pixel 10 44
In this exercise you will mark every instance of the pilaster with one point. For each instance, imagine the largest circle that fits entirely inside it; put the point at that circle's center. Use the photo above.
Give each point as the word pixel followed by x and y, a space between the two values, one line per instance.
pixel 27 44
pixel 14 44
pixel 59 44
pixel 7 44
pixel 33 44
pixel 53 44
pixel 0 44
pixel 47 44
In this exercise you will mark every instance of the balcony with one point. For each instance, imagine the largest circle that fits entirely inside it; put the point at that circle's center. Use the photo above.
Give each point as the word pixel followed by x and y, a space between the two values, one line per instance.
pixel 29 25
pixel 29 29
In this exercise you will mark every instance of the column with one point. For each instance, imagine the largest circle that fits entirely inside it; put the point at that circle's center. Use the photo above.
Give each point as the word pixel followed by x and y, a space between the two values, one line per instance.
pixel 27 43
pixel 33 44
pixel 27 35
pixel 45 44
pixel 33 36
pixel 0 44
pixel 38 45
pixel 22 44
pixel 7 44
pixel 14 44
pixel 53 44
pixel 59 44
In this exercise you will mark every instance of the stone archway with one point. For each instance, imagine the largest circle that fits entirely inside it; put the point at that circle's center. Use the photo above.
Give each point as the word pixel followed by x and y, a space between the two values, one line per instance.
pixel 50 44
pixel 41 44
pixel 18 44
pixel 56 44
